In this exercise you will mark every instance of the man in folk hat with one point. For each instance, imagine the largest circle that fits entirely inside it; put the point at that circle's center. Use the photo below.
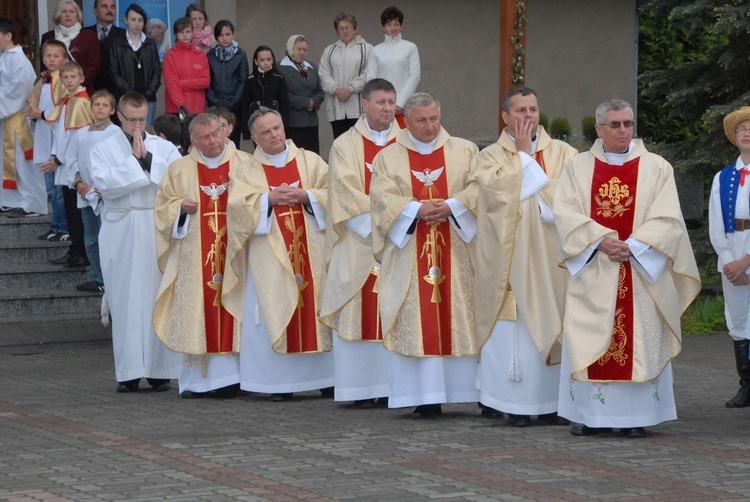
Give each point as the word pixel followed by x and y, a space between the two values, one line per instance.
pixel 729 228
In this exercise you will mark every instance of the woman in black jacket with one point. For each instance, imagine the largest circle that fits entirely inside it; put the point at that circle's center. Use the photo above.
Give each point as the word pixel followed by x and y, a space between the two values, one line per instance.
pixel 134 60
pixel 229 69
pixel 265 87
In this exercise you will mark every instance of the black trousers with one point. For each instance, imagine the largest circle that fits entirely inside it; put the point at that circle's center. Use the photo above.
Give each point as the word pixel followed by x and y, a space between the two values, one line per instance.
pixel 75 222
pixel 341 126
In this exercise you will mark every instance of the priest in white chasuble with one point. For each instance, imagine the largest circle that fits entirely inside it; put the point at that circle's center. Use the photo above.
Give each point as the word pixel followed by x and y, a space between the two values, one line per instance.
pixel 350 295
pixel 519 287
pixel 277 213
pixel 423 222
pixel 631 275
pixel 191 220
pixel 125 168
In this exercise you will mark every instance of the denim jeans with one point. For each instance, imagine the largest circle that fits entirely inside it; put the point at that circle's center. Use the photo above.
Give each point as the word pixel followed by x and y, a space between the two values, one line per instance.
pixel 151 114
pixel 91 224
pixel 59 224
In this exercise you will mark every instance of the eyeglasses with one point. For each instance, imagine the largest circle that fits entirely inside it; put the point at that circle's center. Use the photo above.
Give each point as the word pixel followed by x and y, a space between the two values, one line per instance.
pixel 135 120
pixel 345 28
pixel 742 130
pixel 617 124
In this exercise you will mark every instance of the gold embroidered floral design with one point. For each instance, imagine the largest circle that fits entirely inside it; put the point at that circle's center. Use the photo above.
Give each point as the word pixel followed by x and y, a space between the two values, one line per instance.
pixel 613 198
pixel 616 349
pixel 622 290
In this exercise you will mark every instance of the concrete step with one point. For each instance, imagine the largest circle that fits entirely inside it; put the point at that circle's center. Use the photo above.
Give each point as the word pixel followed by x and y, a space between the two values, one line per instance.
pixel 23 228
pixel 41 276
pixel 26 251
pixel 36 331
pixel 22 303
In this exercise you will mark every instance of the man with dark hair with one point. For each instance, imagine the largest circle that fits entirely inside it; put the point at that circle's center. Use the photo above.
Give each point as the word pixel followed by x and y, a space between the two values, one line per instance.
pixel 395 60
pixel 422 223
pixel 519 286
pixel 277 216
pixel 105 12
pixel 350 298
pixel 632 274
pixel 126 170
pixel 192 236
pixel 168 127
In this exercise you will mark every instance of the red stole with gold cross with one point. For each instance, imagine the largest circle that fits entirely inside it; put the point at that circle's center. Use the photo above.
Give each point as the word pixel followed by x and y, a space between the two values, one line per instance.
pixel 302 330
pixel 430 183
pixel 613 192
pixel 371 327
pixel 213 222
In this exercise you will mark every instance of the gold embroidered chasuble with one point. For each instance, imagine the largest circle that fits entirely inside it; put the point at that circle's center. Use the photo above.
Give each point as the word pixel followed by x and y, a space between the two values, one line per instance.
pixel 179 315
pixel 514 247
pixel 399 283
pixel 267 255
pixel 590 298
pixel 349 258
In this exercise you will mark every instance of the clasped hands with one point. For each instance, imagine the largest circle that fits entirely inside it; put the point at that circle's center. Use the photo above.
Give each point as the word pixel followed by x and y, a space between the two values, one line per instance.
pixel 616 250
pixel 433 212
pixel 736 271
pixel 287 196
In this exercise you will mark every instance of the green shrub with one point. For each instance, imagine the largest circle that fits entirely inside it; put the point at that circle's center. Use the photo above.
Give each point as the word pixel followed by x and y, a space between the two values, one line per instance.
pixel 544 121
pixel 588 128
pixel 704 315
pixel 560 128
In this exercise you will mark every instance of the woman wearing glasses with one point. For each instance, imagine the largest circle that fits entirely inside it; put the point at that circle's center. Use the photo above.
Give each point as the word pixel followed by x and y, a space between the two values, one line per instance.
pixel 134 61
pixel 343 73
pixel 305 94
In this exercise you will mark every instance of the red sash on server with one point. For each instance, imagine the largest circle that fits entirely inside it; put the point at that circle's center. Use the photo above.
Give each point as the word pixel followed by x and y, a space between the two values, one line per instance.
pixel 302 330
pixel 613 205
pixel 430 182
pixel 213 221
pixel 371 328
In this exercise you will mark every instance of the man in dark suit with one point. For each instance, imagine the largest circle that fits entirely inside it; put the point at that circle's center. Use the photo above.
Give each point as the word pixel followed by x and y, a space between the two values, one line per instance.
pixel 106 32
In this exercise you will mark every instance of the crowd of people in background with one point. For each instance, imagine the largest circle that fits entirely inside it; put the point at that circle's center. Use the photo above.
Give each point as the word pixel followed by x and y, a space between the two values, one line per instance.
pixel 414 270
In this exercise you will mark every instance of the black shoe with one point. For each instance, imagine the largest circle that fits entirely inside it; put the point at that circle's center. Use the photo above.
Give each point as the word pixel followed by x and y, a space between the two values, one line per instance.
pixel 159 384
pixel 228 392
pixel 59 237
pixel 364 404
pixel 77 261
pixel 91 287
pixel 382 402
pixel 62 260
pixel 21 213
pixel 553 419
pixel 189 394
pixel 519 420
pixel 490 413
pixel 129 386
pixel 279 397
pixel 583 430
pixel 741 399
pixel 427 411
pixel 633 432
pixel 45 237
pixel 327 393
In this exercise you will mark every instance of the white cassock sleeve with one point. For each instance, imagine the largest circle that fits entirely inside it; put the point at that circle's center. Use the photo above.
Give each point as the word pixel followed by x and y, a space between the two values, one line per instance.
pixel 319 214
pixel 360 225
pixel 646 260
pixel 545 212
pixel 180 231
pixel 398 232
pixel 534 177
pixel 114 170
pixel 579 263
pixel 462 220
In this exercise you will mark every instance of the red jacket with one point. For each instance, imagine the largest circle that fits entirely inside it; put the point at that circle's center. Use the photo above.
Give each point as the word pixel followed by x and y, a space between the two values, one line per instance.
pixel 186 76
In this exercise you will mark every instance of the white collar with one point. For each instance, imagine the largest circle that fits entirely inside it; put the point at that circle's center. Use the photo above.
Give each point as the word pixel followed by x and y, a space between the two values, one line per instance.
pixel 618 159
pixel 277 159
pixel 534 142
pixel 380 138
pixel 393 40
pixel 132 43
pixel 423 148
pixel 288 62
pixel 213 162
pixel 739 164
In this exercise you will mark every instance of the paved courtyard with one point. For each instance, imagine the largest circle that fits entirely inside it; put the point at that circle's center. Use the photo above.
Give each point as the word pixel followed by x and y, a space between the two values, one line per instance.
pixel 66 435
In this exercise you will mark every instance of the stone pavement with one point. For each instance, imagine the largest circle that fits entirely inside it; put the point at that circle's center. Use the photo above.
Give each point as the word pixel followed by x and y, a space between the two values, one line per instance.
pixel 66 435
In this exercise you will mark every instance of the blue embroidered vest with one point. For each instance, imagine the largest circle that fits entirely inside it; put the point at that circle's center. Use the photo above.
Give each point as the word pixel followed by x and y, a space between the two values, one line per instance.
pixel 729 182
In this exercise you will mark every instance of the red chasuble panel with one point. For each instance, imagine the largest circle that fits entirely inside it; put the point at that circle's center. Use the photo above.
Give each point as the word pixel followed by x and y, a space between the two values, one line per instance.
pixel 302 330
pixel 371 327
pixel 213 221
pixel 430 182
pixel 539 157
pixel 613 205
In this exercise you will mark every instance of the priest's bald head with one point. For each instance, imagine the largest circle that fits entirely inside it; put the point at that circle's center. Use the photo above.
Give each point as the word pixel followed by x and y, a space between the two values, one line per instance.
pixel 267 130
pixel 422 113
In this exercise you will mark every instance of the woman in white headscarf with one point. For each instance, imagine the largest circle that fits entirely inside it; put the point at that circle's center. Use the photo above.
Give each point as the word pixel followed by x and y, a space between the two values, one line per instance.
pixel 83 45
pixel 305 94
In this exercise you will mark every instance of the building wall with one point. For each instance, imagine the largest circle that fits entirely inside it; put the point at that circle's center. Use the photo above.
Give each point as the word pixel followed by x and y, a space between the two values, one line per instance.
pixel 580 53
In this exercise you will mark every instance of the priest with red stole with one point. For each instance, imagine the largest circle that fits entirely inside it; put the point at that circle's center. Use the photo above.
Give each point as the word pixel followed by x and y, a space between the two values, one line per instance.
pixel 423 224
pixel 631 275
pixel 277 216
pixel 350 296
pixel 191 221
